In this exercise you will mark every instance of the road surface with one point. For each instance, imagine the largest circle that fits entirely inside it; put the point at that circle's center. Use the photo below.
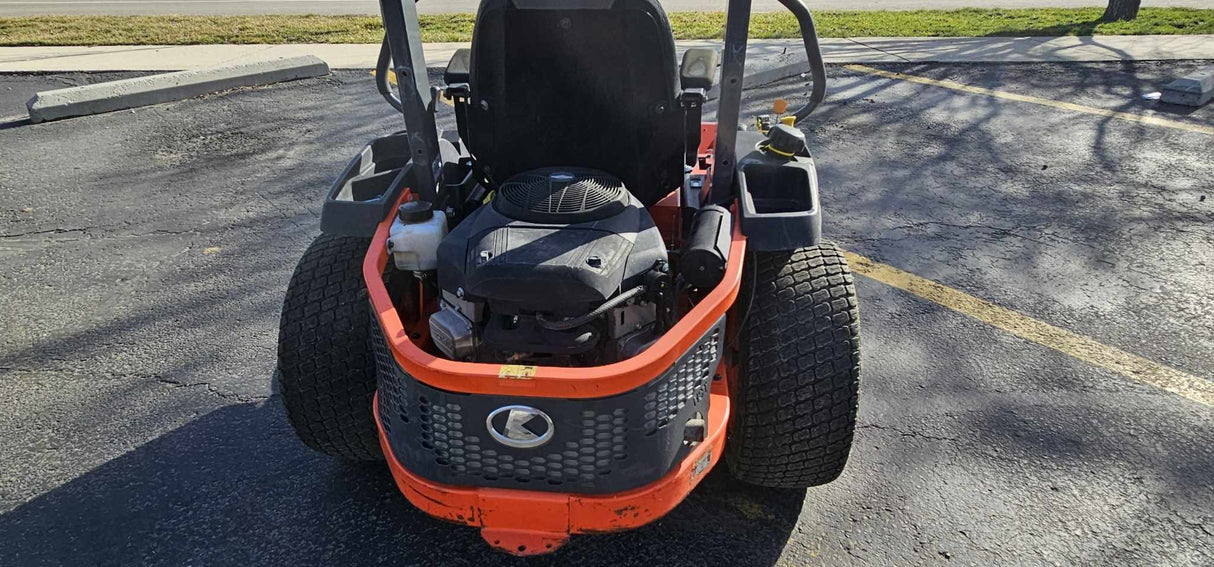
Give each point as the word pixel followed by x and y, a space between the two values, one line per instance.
pixel 242 7
pixel 144 255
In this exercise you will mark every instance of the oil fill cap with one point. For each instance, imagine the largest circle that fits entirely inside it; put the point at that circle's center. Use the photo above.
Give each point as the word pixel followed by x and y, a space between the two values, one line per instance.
pixel 786 141
pixel 414 212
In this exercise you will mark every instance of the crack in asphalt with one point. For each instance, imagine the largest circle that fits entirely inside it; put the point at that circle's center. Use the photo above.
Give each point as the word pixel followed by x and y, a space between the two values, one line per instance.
pixel 978 546
pixel 48 231
pixel 108 373
pixel 213 390
pixel 903 433
pixel 1193 524
pixel 85 231
pixel 849 548
pixel 222 394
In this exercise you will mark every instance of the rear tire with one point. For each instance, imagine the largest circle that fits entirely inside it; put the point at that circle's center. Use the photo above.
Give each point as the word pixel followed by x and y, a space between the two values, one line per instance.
pixel 794 408
pixel 326 367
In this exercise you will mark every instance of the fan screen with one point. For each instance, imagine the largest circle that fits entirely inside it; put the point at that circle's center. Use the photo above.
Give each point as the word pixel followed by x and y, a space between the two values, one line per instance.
pixel 561 192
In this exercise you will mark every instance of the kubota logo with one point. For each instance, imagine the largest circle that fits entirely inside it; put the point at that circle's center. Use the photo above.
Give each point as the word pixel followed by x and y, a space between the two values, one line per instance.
pixel 523 427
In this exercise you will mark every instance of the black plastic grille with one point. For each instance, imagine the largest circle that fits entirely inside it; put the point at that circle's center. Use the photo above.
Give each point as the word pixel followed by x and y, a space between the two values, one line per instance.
pixel 570 194
pixel 392 393
pixel 599 445
pixel 685 385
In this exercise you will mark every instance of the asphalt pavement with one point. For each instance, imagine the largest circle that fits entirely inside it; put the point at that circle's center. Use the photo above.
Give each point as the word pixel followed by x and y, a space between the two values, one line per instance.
pixel 244 7
pixel 144 256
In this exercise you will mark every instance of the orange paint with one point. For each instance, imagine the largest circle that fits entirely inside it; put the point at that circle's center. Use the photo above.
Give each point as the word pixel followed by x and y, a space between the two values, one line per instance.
pixel 668 217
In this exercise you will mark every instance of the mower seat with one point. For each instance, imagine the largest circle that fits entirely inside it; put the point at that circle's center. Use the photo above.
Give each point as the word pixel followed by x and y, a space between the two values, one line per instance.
pixel 578 83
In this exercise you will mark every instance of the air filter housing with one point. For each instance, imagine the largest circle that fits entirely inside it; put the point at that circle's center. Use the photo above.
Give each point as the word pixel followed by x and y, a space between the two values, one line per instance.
pixel 561 195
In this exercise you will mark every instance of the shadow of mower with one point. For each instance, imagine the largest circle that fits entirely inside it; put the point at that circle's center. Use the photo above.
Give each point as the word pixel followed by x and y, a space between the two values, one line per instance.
pixel 235 487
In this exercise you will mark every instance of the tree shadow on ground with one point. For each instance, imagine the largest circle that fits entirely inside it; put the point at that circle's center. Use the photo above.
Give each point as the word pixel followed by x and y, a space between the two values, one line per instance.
pixel 234 487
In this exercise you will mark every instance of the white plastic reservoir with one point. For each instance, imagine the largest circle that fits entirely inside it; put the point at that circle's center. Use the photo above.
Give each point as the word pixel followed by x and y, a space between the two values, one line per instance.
pixel 414 236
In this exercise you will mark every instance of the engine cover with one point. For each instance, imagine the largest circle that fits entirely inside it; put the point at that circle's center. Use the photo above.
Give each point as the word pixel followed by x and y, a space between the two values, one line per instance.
pixel 557 240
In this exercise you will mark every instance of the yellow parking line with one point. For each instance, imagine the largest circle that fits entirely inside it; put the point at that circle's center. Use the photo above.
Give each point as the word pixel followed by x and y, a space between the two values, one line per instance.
pixel 1151 120
pixel 392 80
pixel 1130 365
pixel 391 76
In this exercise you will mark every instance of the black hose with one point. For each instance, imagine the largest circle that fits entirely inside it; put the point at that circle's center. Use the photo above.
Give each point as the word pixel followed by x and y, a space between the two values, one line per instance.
pixel 382 68
pixel 751 261
pixel 813 52
pixel 567 324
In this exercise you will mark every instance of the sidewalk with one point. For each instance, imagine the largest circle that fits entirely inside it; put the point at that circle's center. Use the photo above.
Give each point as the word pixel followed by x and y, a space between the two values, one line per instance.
pixel 853 50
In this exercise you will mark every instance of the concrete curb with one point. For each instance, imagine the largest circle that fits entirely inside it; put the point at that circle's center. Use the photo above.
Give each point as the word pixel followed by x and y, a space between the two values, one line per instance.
pixel 1194 90
pixel 167 87
pixel 765 72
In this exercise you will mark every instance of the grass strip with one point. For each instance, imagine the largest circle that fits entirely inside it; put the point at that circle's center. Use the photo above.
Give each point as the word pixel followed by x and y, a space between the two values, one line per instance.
pixel 273 29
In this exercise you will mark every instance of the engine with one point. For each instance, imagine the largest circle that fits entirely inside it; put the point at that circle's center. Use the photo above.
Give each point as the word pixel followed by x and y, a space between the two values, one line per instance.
pixel 562 267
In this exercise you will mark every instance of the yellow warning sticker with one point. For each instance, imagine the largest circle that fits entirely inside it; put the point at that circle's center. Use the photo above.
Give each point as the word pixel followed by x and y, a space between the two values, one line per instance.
pixel 516 372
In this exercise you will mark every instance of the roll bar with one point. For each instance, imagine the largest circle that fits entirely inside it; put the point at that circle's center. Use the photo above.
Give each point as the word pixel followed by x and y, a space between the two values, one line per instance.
pixel 813 51
pixel 737 28
pixel 415 96
pixel 381 75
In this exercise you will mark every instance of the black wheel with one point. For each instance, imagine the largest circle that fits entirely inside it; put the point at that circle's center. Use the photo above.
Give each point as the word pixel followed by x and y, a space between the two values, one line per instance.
pixel 326 368
pixel 794 411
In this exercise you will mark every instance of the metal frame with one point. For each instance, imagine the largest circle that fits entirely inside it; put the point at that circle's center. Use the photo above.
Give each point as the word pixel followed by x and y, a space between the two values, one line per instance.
pixel 403 38
pixel 733 65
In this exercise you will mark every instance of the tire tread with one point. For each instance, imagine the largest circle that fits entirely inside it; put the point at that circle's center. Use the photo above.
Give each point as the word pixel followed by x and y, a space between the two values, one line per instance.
pixel 326 366
pixel 799 380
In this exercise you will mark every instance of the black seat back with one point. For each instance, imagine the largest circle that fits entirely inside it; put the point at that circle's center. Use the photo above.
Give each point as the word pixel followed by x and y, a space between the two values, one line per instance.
pixel 585 83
